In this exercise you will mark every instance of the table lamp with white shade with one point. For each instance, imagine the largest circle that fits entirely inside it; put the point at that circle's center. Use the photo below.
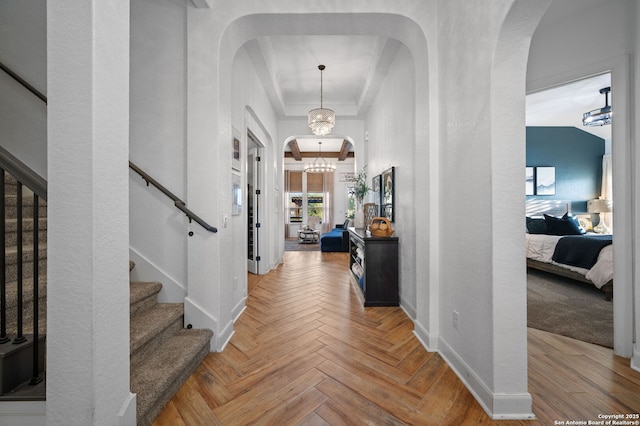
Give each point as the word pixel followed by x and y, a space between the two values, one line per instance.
pixel 597 206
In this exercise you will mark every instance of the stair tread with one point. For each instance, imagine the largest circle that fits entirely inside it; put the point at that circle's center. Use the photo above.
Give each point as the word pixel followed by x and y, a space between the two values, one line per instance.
pixel 151 379
pixel 150 322
pixel 139 290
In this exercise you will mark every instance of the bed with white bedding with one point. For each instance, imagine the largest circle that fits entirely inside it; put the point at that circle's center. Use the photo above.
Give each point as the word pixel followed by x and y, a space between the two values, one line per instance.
pixel 540 247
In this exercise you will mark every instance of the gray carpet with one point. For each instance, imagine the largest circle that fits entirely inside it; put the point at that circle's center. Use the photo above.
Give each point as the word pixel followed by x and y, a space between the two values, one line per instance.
pixel 569 308
pixel 292 244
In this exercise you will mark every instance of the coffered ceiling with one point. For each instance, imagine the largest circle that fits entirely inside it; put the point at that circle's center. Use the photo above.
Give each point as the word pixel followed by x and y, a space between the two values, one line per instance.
pixel 288 69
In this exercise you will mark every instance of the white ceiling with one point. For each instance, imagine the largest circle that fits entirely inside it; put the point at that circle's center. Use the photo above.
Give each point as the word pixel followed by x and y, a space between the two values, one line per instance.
pixel 564 105
pixel 288 69
pixel 357 65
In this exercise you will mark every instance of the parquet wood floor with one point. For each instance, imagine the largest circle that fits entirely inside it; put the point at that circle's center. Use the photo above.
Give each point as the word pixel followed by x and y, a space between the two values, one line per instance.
pixel 305 352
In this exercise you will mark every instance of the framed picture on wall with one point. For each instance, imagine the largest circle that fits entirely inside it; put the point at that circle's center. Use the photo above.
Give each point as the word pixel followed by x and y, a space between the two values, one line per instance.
pixel 236 193
pixel 236 156
pixel 387 194
pixel 346 177
pixel 545 181
pixel 529 181
pixel 376 185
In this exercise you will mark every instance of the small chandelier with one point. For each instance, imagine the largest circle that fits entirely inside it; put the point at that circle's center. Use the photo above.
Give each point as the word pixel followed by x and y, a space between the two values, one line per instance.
pixel 321 120
pixel 319 166
pixel 601 116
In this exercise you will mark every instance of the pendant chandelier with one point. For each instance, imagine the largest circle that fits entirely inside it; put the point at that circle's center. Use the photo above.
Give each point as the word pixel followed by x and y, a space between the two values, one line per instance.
pixel 321 120
pixel 600 116
pixel 320 165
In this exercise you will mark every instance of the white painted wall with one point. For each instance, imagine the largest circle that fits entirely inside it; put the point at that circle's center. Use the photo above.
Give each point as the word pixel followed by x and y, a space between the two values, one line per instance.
pixel 481 156
pixel 391 127
pixel 635 217
pixel 23 48
pixel 158 230
pixel 465 182
pixel 88 213
pixel 252 111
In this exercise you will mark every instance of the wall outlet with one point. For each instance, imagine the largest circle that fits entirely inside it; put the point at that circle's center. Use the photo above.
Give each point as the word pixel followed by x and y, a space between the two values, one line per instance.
pixel 235 283
pixel 455 318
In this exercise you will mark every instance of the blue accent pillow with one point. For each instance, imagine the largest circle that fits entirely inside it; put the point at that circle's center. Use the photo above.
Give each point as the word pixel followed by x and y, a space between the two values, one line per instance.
pixel 565 225
pixel 576 222
pixel 536 226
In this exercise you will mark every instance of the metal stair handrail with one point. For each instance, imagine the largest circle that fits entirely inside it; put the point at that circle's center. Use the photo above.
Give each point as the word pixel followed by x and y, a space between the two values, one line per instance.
pixel 23 173
pixel 176 201
pixel 23 82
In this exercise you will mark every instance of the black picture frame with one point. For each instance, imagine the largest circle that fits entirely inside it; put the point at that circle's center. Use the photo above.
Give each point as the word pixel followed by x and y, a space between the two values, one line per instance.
pixel 387 194
pixel 376 183
pixel 236 153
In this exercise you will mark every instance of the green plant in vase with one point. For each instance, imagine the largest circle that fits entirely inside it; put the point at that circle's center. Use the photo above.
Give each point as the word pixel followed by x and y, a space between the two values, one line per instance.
pixel 359 189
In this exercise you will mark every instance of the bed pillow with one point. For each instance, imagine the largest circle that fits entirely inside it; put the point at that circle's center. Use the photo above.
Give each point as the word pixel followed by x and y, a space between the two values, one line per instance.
pixel 536 225
pixel 575 220
pixel 561 226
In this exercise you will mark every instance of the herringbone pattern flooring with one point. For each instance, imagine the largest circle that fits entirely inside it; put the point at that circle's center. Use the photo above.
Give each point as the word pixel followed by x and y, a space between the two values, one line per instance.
pixel 306 352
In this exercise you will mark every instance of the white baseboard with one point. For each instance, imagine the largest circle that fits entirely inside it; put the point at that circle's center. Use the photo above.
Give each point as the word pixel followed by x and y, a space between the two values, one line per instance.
pixel 429 342
pixel 145 270
pixel 225 335
pixel 229 331
pixel 497 406
pixel 199 318
pixel 635 359
pixel 407 308
pixel 23 413
pixel 127 415
pixel 239 309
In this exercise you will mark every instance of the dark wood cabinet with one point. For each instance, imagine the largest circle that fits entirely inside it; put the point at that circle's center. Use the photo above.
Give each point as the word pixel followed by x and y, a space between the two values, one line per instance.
pixel 374 268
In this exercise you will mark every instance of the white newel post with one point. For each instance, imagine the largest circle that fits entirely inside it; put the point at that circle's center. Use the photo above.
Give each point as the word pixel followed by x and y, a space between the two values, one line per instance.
pixel 88 211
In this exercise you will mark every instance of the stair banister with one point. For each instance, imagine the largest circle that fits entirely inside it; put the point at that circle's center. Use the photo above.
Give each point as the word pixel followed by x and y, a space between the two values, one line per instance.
pixel 23 173
pixel 176 201
pixel 23 82
pixel 24 177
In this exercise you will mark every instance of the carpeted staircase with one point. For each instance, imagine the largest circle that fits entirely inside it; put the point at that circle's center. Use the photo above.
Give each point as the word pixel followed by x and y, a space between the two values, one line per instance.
pixel 162 352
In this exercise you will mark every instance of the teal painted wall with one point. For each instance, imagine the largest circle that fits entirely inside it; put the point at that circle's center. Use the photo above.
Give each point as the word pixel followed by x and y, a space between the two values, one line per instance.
pixel 577 157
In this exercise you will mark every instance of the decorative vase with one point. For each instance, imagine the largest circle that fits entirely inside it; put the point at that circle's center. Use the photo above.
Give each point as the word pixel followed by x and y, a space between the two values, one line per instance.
pixel 370 211
pixel 358 220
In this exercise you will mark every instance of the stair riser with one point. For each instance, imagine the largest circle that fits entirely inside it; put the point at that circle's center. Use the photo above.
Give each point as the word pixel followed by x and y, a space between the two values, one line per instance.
pixel 11 253
pixel 27 317
pixel 27 270
pixel 27 305
pixel 154 410
pixel 27 200
pixel 156 342
pixel 143 304
pixel 27 211
pixel 11 225
pixel 27 237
